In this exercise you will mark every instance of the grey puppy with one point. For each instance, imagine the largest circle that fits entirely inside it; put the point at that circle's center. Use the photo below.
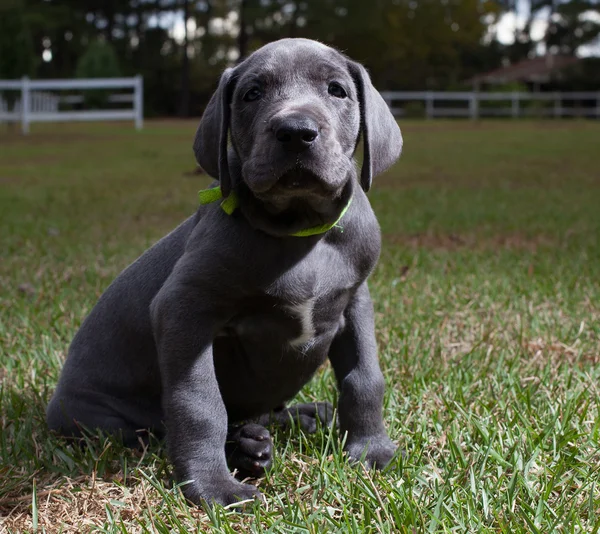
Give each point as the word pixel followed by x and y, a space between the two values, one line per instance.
pixel 228 316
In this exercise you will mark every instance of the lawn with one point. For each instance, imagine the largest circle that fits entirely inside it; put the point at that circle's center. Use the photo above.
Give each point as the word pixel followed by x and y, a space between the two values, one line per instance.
pixel 487 297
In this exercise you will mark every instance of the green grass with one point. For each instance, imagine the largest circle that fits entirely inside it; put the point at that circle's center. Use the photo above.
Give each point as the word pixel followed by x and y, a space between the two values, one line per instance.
pixel 488 320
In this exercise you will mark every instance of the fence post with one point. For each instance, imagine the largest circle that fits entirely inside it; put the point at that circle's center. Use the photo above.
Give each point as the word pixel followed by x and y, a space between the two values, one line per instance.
pixel 515 105
pixel 557 106
pixel 474 106
pixel 139 102
pixel 429 104
pixel 25 105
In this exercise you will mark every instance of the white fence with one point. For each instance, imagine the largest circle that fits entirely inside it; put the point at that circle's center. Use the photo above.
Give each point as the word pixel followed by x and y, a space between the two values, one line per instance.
pixel 36 102
pixel 473 105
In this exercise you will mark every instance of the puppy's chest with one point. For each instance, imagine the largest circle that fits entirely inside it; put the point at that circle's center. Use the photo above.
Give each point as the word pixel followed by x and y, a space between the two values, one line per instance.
pixel 299 312
pixel 299 325
pixel 312 320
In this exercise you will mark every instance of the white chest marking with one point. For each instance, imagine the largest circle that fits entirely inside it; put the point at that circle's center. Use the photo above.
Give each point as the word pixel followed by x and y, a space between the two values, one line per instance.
pixel 303 311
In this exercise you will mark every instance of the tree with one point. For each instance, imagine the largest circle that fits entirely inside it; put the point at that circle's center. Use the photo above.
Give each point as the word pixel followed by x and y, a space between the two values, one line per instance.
pixel 16 47
pixel 404 43
pixel 571 27
pixel 17 57
pixel 410 44
pixel 184 95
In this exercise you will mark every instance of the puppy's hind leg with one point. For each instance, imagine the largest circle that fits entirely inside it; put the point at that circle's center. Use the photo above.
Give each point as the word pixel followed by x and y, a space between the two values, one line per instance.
pixel 71 415
pixel 308 416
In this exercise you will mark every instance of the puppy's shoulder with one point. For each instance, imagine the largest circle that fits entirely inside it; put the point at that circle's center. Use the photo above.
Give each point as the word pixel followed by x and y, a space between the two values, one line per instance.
pixel 358 236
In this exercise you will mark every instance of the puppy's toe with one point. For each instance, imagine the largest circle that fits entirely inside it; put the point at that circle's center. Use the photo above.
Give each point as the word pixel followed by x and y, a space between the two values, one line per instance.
pixel 255 432
pixel 307 423
pixel 307 415
pixel 375 452
pixel 250 450
pixel 325 412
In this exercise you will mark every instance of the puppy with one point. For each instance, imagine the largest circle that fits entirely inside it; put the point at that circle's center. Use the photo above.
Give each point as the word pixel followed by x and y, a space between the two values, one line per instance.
pixel 224 320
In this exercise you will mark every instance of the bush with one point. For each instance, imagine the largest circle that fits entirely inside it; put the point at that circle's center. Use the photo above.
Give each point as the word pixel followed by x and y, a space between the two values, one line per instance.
pixel 99 61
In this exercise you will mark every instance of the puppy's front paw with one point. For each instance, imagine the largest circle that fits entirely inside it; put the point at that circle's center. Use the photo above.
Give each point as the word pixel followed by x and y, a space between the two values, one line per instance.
pixel 249 449
pixel 223 492
pixel 377 450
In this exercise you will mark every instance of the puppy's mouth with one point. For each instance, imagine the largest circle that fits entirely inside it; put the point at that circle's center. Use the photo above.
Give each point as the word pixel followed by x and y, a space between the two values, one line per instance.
pixel 298 185
pixel 299 180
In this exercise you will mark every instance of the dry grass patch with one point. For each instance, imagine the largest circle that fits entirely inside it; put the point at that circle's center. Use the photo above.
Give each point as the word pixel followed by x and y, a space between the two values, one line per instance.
pixel 450 242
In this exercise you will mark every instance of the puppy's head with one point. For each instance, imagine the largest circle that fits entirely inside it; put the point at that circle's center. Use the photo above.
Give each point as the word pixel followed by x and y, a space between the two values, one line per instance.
pixel 296 110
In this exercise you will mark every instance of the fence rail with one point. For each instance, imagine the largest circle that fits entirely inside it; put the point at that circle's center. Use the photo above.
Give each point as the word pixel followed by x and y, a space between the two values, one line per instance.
pixel 36 102
pixel 433 104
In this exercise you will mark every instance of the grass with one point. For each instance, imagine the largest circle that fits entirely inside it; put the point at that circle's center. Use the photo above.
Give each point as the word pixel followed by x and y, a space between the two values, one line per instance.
pixel 488 320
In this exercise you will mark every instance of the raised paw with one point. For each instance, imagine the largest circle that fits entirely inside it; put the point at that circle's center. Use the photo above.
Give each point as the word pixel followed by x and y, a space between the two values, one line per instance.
pixel 375 452
pixel 249 449
pixel 307 416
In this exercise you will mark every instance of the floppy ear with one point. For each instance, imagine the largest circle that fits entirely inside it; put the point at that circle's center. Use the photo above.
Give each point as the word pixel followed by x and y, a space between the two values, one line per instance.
pixel 382 140
pixel 210 143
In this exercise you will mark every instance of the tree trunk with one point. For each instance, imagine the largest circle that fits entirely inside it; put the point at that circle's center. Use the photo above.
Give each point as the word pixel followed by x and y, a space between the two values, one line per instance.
pixel 294 23
pixel 139 32
pixel 184 96
pixel 243 35
pixel 109 13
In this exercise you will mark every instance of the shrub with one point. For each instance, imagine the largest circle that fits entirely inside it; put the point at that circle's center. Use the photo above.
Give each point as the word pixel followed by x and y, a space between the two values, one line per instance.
pixel 98 61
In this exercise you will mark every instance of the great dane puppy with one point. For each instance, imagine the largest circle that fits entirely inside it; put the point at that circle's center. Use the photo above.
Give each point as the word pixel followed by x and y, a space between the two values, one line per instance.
pixel 227 317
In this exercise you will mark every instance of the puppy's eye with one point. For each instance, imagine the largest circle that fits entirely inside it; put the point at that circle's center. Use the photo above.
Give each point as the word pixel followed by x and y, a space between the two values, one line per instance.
pixel 335 89
pixel 252 94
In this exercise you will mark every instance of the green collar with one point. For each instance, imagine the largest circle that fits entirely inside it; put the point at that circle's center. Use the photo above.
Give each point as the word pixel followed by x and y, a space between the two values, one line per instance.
pixel 232 202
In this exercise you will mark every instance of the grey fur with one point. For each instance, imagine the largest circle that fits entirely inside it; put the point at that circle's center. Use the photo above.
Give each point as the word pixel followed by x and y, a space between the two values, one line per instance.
pixel 227 317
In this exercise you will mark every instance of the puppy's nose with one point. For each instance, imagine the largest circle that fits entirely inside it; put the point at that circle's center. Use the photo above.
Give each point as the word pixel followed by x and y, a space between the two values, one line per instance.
pixel 296 134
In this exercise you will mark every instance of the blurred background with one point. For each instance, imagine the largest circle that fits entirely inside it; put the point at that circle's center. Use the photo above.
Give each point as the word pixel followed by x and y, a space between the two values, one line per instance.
pixel 180 47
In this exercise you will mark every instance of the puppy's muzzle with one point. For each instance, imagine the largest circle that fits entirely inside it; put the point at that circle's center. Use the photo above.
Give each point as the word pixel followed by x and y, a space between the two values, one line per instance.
pixel 299 146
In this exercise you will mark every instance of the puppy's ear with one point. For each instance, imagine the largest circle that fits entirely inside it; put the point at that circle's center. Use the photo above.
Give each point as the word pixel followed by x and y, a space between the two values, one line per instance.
pixel 382 140
pixel 210 143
